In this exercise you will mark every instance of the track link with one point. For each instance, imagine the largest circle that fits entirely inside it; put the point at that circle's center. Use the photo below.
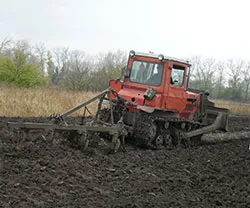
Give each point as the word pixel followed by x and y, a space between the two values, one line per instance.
pixel 157 131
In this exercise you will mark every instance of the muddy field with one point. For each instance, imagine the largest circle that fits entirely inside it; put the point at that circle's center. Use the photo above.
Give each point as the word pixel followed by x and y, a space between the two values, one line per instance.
pixel 37 173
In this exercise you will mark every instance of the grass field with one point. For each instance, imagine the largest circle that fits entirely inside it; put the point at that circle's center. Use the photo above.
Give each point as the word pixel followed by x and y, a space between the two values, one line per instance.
pixel 234 107
pixel 45 101
pixel 41 102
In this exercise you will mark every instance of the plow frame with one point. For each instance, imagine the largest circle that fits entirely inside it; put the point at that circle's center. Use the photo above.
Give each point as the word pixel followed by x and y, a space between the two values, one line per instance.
pixel 59 124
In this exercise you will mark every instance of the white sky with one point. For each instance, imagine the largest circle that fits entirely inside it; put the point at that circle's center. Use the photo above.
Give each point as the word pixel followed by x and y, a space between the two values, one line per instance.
pixel 180 28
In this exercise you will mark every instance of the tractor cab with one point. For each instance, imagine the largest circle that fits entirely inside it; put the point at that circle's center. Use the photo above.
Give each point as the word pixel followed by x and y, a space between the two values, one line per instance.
pixel 155 70
pixel 157 81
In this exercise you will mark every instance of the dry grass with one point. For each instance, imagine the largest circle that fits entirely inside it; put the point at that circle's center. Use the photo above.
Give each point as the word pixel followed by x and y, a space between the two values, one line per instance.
pixel 45 101
pixel 234 107
pixel 41 102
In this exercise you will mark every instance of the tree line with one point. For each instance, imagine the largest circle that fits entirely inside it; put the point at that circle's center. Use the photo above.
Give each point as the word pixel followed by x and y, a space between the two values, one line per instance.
pixel 228 79
pixel 26 65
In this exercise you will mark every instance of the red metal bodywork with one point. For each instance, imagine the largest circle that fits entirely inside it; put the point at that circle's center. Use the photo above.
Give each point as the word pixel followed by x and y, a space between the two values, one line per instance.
pixel 168 97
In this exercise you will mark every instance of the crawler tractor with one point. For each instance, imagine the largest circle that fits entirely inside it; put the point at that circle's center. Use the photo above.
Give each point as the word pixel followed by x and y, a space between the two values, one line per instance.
pixel 151 104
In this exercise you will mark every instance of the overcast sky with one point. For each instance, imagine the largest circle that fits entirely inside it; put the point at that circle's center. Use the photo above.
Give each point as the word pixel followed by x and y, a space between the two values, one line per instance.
pixel 180 28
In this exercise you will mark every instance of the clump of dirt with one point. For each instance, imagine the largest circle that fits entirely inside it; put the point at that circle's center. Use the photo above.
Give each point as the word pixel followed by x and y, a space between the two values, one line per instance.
pixel 36 172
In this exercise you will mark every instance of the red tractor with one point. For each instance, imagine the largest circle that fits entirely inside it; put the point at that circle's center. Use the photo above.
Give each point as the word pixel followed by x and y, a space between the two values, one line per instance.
pixel 167 112
pixel 151 104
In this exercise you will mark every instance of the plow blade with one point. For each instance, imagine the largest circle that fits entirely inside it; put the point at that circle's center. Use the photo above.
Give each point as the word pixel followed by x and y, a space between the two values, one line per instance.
pixel 217 119
pixel 82 131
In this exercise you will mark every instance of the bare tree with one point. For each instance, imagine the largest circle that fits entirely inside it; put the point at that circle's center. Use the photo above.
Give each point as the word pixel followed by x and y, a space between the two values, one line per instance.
pixel 235 68
pixel 220 77
pixel 203 70
pixel 246 72
pixel 207 72
pixel 196 66
pixel 5 43
pixel 41 51
pixel 22 46
pixel 61 56
pixel 78 70
pixel 111 60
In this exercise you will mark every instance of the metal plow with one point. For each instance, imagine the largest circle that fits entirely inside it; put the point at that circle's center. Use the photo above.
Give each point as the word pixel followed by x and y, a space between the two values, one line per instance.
pixel 86 130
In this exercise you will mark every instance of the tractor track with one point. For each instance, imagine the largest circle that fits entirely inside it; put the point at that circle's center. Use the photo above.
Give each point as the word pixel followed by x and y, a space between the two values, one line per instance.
pixel 38 173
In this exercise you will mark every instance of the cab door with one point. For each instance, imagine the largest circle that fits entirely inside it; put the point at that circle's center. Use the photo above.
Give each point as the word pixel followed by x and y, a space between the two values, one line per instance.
pixel 175 95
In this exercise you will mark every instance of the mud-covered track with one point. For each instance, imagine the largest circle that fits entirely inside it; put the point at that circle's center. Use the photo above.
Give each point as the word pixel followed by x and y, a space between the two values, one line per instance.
pixel 37 173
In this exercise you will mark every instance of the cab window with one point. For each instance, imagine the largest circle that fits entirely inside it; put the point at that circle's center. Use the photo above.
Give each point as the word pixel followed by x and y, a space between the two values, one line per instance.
pixel 148 73
pixel 177 76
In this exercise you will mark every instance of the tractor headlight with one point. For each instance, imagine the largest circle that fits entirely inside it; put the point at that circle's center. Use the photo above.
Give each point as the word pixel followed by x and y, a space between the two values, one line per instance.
pixel 132 53
pixel 161 57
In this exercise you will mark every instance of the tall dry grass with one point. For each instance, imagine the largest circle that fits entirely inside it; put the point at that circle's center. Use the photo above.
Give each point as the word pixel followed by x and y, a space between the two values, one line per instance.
pixel 45 101
pixel 41 102
pixel 234 107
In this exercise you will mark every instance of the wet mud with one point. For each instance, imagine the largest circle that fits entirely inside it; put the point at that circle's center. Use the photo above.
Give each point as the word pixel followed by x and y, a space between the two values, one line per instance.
pixel 35 172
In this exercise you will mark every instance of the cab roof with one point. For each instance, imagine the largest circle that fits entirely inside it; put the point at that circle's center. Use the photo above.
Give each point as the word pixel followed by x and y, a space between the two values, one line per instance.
pixel 153 55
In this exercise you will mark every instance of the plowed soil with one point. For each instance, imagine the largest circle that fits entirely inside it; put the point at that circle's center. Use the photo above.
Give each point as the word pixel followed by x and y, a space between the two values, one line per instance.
pixel 35 172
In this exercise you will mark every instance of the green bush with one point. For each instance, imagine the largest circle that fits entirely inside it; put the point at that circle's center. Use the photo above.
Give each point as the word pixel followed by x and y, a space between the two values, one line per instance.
pixel 16 70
